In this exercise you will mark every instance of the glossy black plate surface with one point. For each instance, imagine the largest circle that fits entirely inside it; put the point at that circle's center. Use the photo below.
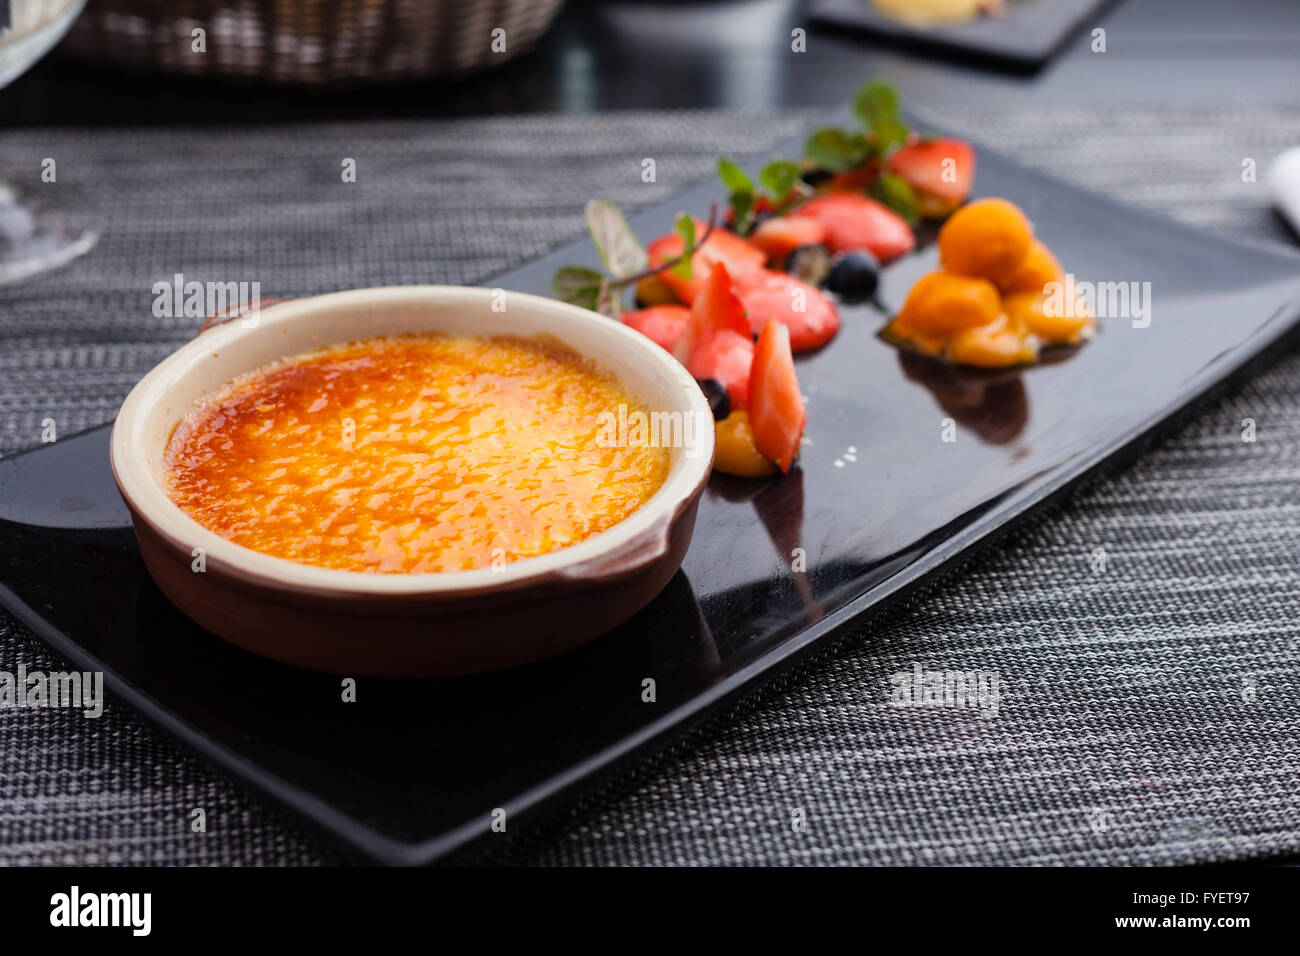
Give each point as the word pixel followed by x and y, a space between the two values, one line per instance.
pixel 1025 36
pixel 413 770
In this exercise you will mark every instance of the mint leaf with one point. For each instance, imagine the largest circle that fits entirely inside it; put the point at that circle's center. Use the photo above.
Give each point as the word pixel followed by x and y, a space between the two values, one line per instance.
pixel 889 135
pixel 578 286
pixel 875 101
pixel 741 204
pixel 734 178
pixel 836 150
pixel 685 229
pixel 897 194
pixel 779 176
pixel 618 246
pixel 876 107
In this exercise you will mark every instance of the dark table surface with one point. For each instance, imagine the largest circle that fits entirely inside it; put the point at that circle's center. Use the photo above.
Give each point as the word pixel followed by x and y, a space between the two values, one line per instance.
pixel 609 54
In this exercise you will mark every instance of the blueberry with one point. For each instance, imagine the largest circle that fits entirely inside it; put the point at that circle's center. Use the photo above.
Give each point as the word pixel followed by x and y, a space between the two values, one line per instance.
pixel 811 263
pixel 716 393
pixel 854 276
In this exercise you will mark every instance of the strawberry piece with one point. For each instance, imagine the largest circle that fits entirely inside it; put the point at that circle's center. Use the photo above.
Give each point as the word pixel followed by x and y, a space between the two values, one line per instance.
pixel 854 221
pixel 662 323
pixel 783 235
pixel 776 409
pixel 716 342
pixel 725 356
pixel 715 308
pixel 738 254
pixel 854 180
pixel 778 295
pixel 941 171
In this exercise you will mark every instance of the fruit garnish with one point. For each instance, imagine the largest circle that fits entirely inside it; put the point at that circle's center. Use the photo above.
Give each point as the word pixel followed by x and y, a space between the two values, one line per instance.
pixel 706 292
pixel 811 263
pixel 780 236
pixel 725 357
pixel 987 239
pixel 1029 309
pixel 839 150
pixel 1038 268
pixel 996 344
pixel 738 254
pixel 940 173
pixel 855 157
pixel 777 182
pixel 626 262
pixel 966 313
pixel 853 221
pixel 876 108
pixel 810 317
pixel 652 291
pixel 854 276
pixel 663 324
pixel 941 303
pixel 776 408
pixel 719 399
pixel 715 308
pixel 716 342
pixel 615 242
pixel 735 451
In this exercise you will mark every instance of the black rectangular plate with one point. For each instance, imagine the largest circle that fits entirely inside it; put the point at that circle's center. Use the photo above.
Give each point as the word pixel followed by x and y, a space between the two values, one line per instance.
pixel 1025 36
pixel 413 770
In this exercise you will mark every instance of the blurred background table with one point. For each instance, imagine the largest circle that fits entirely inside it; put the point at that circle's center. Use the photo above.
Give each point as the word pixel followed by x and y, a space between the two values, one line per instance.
pixel 733 54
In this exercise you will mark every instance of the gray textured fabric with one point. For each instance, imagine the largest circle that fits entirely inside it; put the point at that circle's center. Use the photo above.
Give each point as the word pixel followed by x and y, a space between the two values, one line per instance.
pixel 1126 733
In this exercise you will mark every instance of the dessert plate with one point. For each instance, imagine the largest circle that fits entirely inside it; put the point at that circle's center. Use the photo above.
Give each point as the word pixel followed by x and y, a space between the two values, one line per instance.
pixel 879 502
pixel 1024 36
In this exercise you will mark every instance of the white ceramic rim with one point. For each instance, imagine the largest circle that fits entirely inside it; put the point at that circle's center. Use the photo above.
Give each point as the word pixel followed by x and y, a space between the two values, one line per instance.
pixel 139 482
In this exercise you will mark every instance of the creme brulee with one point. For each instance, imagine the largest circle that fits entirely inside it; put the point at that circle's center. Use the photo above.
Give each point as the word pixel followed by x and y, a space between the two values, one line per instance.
pixel 411 454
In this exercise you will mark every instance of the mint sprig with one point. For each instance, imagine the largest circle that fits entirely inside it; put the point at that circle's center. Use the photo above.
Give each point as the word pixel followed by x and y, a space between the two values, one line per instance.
pixel 619 248
pixel 877 109
pixel 776 181
pixel 838 150
pixel 896 193
pixel 624 258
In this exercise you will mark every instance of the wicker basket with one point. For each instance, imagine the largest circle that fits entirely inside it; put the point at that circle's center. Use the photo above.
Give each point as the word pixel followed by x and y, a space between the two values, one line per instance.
pixel 310 42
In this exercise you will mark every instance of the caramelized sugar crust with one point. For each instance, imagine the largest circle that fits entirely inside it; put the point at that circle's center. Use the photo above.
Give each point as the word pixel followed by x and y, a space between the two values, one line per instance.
pixel 412 453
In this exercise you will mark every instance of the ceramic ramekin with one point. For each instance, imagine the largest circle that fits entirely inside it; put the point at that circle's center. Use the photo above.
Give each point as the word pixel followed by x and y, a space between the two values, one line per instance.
pixel 407 625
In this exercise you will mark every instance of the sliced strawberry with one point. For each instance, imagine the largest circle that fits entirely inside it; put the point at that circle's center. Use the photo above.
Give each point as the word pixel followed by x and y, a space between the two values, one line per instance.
pixel 778 295
pixel 737 253
pixel 715 308
pixel 775 406
pixel 941 171
pixel 783 235
pixel 854 180
pixel 662 323
pixel 854 221
pixel 725 356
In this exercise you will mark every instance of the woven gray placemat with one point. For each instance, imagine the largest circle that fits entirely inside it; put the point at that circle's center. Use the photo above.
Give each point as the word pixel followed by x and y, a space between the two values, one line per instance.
pixel 1124 734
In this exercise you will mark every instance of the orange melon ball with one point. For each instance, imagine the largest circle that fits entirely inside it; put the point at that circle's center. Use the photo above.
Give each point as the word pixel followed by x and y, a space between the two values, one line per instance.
pixel 1028 308
pixel 997 344
pixel 1038 268
pixel 987 239
pixel 942 303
